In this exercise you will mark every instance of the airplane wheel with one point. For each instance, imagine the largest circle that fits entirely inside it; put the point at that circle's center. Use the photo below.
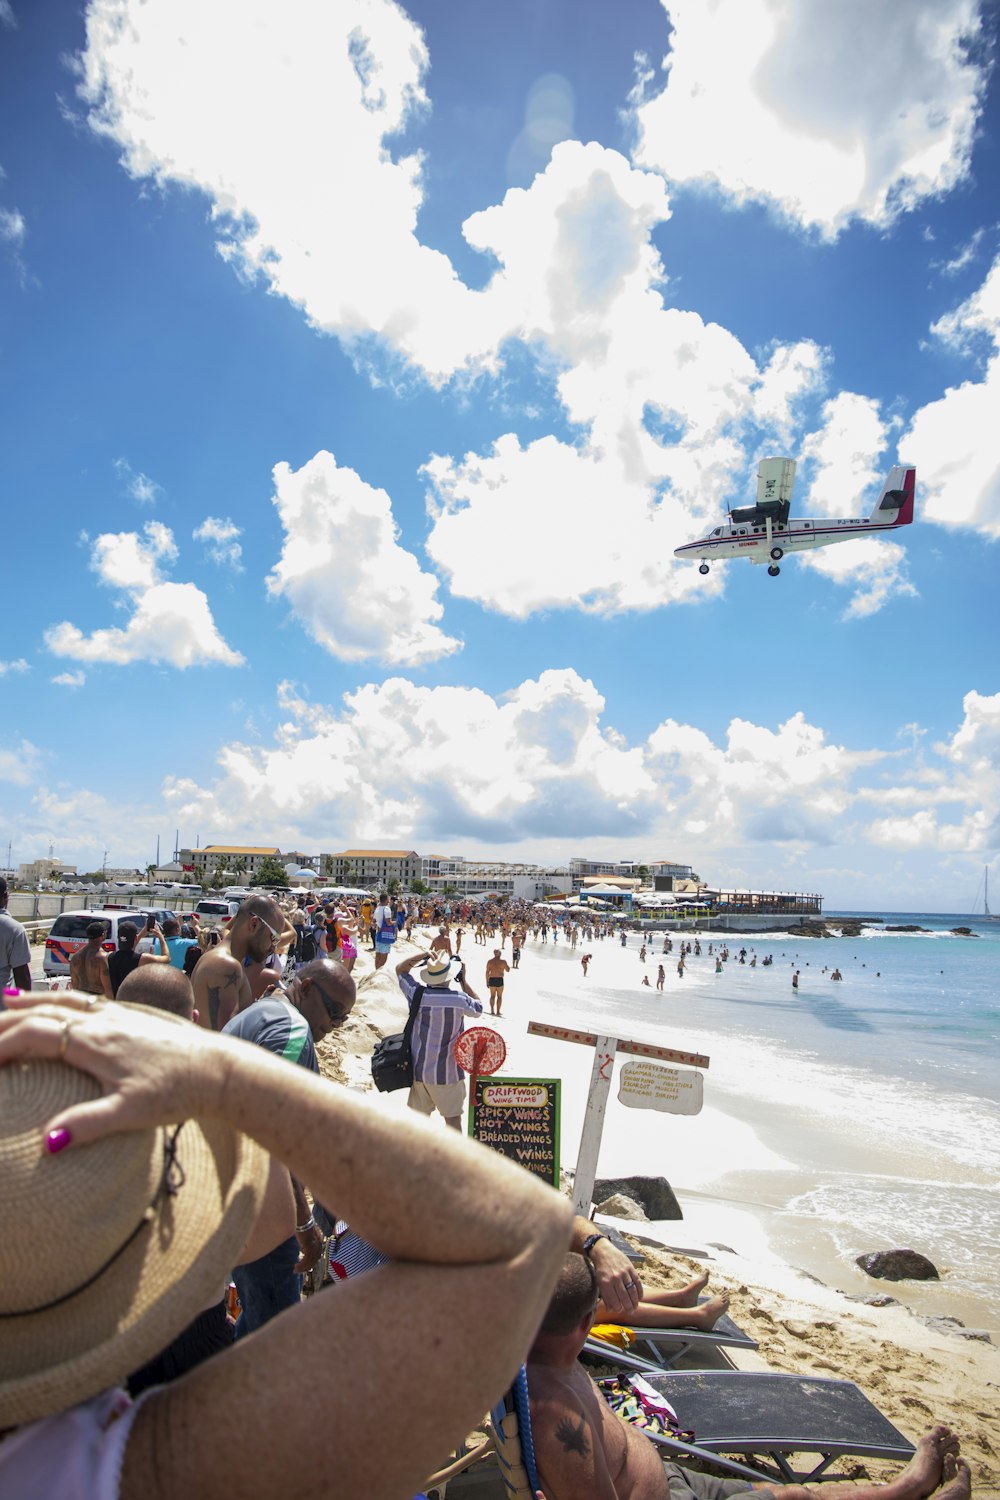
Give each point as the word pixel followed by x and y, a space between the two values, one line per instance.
pixel 703 568
pixel 774 570
pixel 777 553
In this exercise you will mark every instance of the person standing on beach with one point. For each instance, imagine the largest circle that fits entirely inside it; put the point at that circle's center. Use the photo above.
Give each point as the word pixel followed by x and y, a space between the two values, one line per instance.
pixel 221 986
pixel 437 1083
pixel 584 962
pixel 88 966
pixel 384 929
pixel 15 950
pixel 660 977
pixel 795 980
pixel 496 968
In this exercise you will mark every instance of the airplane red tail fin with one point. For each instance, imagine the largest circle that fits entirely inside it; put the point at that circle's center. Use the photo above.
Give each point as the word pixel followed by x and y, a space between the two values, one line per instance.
pixel 894 506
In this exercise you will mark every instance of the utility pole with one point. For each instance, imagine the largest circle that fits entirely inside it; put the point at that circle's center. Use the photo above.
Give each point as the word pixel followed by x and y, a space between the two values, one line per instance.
pixel 104 867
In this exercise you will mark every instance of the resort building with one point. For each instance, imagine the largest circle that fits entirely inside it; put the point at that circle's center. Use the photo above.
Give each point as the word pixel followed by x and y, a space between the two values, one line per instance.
pixel 372 867
pixel 238 859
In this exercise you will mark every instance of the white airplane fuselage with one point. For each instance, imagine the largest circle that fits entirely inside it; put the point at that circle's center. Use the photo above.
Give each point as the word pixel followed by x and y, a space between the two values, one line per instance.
pixel 763 537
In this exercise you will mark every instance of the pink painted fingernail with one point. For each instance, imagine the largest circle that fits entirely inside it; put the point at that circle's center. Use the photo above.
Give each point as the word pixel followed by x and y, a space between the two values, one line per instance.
pixel 57 1140
pixel 11 990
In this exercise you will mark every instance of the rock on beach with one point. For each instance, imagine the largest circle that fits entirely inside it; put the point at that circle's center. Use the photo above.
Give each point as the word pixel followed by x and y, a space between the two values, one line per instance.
pixel 653 1194
pixel 897 1265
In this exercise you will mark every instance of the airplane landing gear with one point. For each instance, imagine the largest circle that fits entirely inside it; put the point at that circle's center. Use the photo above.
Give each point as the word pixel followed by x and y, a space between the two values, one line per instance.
pixel 774 570
pixel 777 554
pixel 703 568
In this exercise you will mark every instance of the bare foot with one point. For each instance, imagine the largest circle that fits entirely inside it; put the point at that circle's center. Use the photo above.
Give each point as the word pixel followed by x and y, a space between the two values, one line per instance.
pixel 707 1314
pixel 688 1296
pixel 956 1479
pixel 923 1473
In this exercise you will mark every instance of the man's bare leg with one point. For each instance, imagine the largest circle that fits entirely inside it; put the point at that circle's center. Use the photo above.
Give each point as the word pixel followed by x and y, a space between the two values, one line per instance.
pixel 936 1462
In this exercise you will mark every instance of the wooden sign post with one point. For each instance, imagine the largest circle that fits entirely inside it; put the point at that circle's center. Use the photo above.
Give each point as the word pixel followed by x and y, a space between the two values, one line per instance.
pixel 605 1050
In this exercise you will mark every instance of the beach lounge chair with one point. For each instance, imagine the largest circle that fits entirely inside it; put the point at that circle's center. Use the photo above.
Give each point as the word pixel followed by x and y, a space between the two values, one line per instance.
pixel 665 1346
pixel 751 1412
pixel 509 1439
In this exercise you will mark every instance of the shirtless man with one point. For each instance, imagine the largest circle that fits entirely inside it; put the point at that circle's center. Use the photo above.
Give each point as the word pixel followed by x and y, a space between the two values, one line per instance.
pixel 496 968
pixel 441 942
pixel 584 1451
pixel 88 966
pixel 221 987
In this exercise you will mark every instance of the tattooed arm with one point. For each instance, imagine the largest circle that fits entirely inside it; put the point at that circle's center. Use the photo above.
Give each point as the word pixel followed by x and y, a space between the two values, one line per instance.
pixel 220 987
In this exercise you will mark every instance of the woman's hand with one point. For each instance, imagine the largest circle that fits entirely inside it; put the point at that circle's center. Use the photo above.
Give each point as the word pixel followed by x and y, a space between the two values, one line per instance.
pixel 152 1070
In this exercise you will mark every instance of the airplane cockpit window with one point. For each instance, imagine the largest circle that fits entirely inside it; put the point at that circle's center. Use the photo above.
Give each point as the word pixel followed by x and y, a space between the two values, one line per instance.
pixel 717 531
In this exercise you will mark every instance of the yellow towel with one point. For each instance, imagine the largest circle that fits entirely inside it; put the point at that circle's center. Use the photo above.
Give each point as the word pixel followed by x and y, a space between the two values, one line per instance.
pixel 613 1333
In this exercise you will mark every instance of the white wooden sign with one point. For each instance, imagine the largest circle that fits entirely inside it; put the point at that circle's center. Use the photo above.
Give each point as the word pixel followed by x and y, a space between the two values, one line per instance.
pixel 644 1085
pixel 605 1049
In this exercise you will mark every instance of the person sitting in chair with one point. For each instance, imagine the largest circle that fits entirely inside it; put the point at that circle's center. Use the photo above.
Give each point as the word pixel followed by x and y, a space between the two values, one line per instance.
pixel 585 1451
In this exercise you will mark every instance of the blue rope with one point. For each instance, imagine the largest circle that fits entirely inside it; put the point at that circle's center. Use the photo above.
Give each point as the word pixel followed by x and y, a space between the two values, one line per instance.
pixel 519 1392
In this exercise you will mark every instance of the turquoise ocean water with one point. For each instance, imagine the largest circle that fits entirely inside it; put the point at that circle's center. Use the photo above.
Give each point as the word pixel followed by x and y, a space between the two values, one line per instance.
pixel 847 1116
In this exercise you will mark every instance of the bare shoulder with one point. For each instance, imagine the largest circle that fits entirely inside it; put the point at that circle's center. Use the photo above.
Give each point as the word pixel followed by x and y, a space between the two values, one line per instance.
pixel 217 967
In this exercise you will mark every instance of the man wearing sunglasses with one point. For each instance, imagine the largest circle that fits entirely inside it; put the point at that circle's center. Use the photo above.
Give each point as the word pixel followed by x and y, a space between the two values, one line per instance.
pixel 221 987
pixel 288 1020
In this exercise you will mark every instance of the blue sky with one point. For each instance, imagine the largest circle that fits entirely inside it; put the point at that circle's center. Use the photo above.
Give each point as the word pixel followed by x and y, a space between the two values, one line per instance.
pixel 363 365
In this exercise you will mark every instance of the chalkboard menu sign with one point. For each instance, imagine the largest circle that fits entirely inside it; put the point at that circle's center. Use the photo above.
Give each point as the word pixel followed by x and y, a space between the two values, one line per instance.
pixel 519 1117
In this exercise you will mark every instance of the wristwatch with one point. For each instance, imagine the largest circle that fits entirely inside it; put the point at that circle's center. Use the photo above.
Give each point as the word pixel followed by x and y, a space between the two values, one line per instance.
pixel 591 1241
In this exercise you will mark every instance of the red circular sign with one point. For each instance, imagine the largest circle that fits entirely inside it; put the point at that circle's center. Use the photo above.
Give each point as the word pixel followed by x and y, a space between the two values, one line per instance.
pixel 480 1050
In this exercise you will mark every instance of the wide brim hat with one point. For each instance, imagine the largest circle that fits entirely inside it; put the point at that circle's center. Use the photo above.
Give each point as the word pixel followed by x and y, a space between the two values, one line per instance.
pixel 107 1250
pixel 440 969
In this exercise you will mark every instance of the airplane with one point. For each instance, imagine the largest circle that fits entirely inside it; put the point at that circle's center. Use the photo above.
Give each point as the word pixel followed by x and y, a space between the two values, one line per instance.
pixel 764 532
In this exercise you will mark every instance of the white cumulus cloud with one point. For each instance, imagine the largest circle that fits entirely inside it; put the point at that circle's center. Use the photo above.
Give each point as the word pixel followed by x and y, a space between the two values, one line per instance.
pixel 350 584
pixel 221 538
pixel 19 665
pixel 309 188
pixel 966 779
pixel 829 112
pixel 69 679
pixel 665 404
pixel 951 440
pixel 170 622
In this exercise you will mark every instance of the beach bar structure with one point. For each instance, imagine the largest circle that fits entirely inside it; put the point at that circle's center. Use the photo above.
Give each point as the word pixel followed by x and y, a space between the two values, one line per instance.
pixel 794 906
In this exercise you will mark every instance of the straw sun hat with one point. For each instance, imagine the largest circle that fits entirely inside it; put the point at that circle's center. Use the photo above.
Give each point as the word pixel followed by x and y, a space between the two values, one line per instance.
pixel 438 970
pixel 108 1250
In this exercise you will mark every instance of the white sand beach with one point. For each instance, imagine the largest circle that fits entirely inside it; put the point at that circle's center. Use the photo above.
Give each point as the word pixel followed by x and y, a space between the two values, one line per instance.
pixel 803 1322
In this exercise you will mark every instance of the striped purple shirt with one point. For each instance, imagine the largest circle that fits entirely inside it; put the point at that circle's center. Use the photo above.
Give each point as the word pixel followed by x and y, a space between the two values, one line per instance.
pixel 440 1019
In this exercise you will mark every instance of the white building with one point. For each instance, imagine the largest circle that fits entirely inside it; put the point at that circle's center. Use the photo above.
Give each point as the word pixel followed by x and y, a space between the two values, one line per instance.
pixel 44 869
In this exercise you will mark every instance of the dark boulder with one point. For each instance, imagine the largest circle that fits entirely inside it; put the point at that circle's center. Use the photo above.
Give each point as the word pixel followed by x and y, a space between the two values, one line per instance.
pixel 897 1265
pixel 654 1194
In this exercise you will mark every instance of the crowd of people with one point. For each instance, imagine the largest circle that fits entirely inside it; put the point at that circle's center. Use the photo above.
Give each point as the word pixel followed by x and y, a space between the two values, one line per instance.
pixel 128 1367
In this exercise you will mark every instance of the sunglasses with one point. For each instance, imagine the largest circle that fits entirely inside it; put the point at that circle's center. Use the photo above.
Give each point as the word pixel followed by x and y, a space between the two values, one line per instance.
pixel 272 930
pixel 334 1012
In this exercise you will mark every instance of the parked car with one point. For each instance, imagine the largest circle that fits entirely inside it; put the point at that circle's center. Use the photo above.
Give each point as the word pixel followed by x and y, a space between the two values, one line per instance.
pixel 69 933
pixel 216 911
